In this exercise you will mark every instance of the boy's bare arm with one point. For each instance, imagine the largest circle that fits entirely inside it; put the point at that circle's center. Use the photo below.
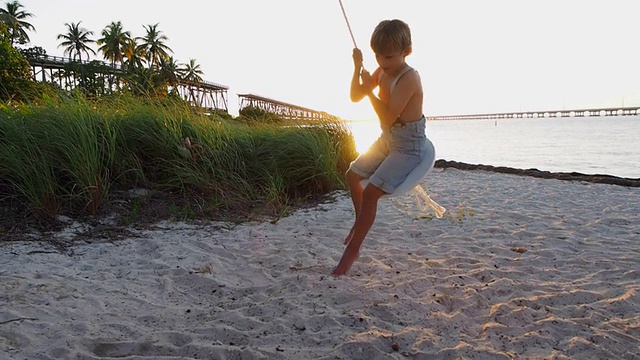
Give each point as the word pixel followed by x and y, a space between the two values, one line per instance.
pixel 359 89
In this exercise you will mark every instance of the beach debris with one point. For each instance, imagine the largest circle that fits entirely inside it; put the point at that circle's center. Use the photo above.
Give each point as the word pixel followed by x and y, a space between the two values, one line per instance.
pixel 519 249
pixel 395 346
pixel 205 269
pixel 190 150
pixel 17 319
pixel 296 266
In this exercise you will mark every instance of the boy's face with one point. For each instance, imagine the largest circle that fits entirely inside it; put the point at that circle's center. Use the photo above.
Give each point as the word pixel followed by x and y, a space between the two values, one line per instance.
pixel 391 62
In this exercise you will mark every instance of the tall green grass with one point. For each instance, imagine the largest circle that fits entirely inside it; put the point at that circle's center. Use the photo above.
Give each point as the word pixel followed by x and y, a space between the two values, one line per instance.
pixel 26 171
pixel 73 156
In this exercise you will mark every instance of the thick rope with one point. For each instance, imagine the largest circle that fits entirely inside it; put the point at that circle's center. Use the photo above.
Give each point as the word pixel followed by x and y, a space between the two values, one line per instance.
pixel 348 25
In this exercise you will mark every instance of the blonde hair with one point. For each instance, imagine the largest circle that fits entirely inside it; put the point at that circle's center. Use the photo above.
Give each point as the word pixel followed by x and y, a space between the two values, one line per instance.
pixel 391 35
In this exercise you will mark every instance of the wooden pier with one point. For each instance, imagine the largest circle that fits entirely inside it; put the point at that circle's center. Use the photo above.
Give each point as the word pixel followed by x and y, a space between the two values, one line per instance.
pixel 205 94
pixel 52 69
pixel 283 109
pixel 211 96
pixel 613 111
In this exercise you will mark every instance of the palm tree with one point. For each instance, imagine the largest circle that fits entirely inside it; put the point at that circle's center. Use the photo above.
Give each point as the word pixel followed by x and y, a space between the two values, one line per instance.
pixel 133 65
pixel 191 72
pixel 169 72
pixel 113 42
pixel 75 41
pixel 133 54
pixel 191 76
pixel 13 17
pixel 153 45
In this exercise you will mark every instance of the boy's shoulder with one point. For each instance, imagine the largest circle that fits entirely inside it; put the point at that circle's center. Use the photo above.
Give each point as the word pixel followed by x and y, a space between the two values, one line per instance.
pixel 409 71
pixel 408 75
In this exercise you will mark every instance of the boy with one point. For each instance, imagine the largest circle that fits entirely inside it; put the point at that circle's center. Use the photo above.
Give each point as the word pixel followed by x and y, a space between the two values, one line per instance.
pixel 399 149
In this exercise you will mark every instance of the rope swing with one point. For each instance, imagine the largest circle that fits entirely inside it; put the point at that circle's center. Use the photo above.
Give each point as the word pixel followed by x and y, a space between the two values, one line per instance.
pixel 344 13
pixel 412 182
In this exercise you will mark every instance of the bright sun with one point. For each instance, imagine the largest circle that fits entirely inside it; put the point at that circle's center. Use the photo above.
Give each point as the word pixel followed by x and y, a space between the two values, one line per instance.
pixel 364 133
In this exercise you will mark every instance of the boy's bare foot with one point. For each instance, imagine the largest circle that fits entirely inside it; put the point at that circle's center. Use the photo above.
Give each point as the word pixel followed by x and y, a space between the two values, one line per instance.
pixel 348 258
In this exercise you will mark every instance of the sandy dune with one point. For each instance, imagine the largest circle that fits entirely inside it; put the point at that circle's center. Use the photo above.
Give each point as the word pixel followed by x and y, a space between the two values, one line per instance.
pixel 518 267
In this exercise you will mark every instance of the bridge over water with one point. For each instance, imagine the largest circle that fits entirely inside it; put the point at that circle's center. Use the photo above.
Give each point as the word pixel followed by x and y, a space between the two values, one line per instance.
pixel 211 96
pixel 205 94
pixel 611 111
pixel 286 110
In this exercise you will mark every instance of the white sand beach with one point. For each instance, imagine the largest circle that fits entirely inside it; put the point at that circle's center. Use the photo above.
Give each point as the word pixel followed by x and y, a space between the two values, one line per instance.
pixel 518 268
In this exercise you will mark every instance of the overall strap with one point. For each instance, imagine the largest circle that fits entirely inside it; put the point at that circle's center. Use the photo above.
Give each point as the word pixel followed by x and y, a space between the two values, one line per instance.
pixel 395 81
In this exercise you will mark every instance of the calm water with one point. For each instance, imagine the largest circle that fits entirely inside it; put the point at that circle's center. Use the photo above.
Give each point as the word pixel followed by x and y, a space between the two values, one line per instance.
pixel 589 145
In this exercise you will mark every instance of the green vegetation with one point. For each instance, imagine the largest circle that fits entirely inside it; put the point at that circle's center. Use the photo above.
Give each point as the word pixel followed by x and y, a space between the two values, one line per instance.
pixel 139 65
pixel 76 40
pixel 124 142
pixel 14 18
pixel 252 114
pixel 14 69
pixel 77 157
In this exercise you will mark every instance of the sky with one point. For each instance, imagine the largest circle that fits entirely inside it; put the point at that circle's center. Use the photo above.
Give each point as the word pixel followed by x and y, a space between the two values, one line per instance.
pixel 473 56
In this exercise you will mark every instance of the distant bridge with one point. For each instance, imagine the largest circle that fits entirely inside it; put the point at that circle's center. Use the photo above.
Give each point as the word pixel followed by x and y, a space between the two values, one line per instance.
pixel 207 95
pixel 612 111
pixel 285 110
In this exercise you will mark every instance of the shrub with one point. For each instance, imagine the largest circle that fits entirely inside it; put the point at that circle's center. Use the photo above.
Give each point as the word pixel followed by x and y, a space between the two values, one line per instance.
pixel 15 72
pixel 256 115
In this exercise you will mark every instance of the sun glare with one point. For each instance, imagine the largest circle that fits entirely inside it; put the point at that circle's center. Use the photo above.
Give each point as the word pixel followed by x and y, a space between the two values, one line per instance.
pixel 364 133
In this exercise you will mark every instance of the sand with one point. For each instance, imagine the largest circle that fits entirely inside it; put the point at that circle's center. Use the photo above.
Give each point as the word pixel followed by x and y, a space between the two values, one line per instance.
pixel 519 267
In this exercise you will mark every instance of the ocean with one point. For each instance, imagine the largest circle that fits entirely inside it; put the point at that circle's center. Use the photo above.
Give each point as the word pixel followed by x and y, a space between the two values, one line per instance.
pixel 590 145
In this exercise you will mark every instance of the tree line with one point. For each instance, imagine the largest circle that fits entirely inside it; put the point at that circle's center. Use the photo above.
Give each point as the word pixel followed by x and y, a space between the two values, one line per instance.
pixel 146 62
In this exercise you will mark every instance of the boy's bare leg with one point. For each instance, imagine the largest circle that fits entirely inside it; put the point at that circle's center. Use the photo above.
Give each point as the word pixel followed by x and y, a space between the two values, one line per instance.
pixel 347 240
pixel 353 181
pixel 364 221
